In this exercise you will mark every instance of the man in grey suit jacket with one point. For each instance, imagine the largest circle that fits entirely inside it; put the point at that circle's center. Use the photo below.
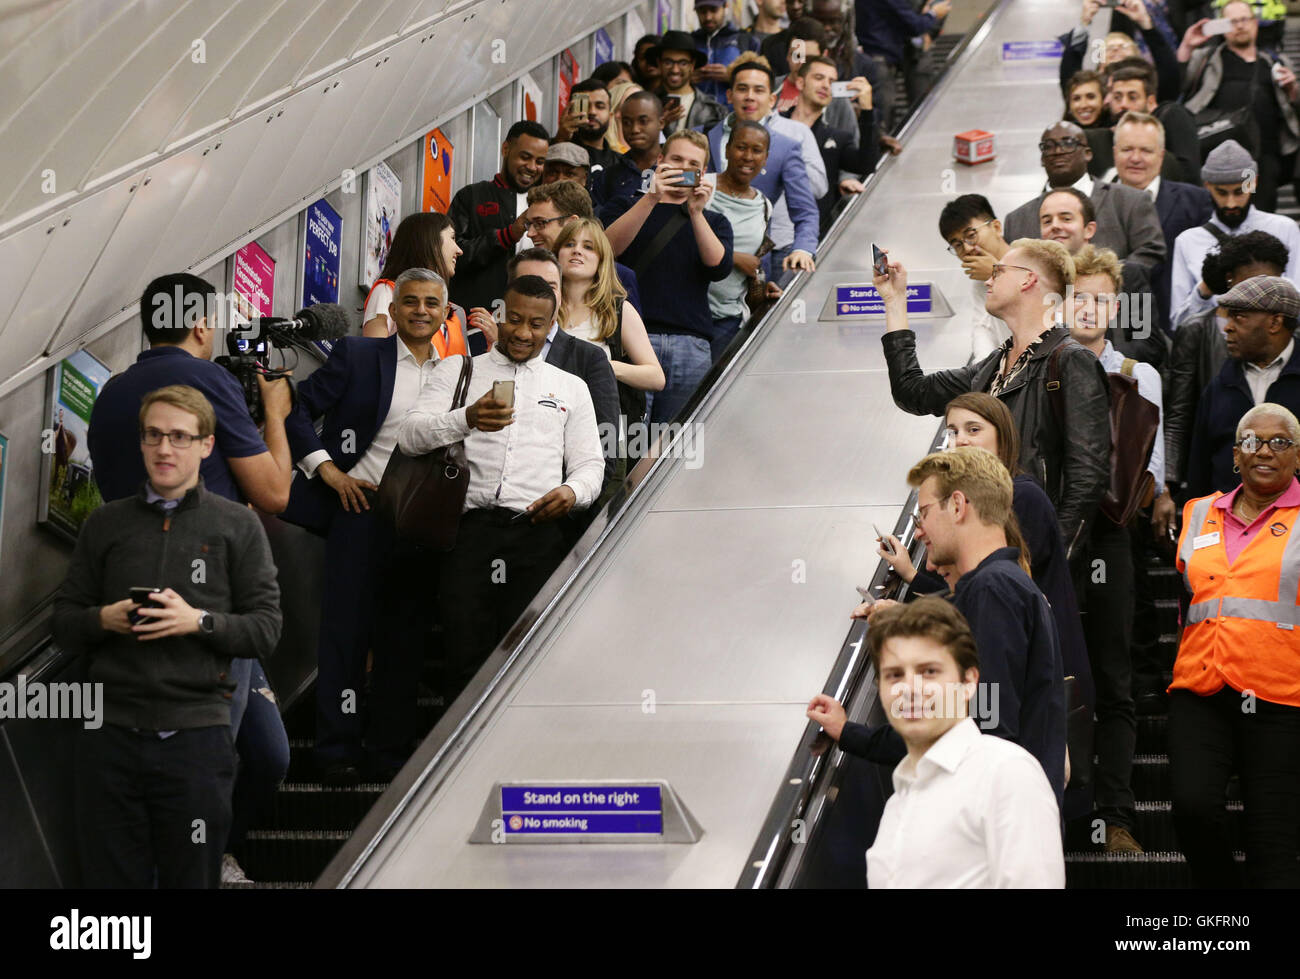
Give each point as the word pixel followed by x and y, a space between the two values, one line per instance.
pixel 1127 222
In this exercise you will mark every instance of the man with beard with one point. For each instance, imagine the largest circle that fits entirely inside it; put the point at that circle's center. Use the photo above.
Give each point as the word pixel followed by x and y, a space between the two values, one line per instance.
pixel 1127 222
pixel 489 217
pixel 588 129
pixel 685 106
pixel 1229 176
pixel 1233 73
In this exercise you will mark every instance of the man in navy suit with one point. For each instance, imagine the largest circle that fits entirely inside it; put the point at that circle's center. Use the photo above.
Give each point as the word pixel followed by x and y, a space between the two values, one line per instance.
pixel 377 590
pixel 1139 156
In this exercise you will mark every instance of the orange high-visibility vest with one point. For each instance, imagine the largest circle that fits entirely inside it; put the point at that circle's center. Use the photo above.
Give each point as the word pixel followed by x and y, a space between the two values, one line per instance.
pixel 1243 626
pixel 447 342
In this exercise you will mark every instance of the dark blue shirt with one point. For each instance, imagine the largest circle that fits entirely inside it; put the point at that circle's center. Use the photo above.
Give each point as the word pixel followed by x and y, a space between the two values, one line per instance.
pixel 627 279
pixel 675 283
pixel 114 437
pixel 623 183
pixel 1021 674
pixel 885 26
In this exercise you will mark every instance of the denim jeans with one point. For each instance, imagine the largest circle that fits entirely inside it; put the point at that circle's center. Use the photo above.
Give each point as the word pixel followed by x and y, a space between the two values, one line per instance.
pixel 725 330
pixel 262 747
pixel 685 360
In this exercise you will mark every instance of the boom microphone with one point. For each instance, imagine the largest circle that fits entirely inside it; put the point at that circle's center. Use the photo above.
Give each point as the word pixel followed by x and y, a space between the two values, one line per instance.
pixel 323 321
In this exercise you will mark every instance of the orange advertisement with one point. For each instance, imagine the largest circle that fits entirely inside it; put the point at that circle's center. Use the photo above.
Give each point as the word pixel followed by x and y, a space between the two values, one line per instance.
pixel 437 172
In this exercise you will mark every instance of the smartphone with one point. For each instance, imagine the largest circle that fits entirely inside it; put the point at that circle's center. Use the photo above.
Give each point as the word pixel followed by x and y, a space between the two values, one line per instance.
pixel 522 517
pixel 671 100
pixel 504 392
pixel 884 540
pixel 581 104
pixel 142 596
pixel 867 597
pixel 842 90
pixel 689 178
pixel 879 260
pixel 1220 25
pixel 1277 69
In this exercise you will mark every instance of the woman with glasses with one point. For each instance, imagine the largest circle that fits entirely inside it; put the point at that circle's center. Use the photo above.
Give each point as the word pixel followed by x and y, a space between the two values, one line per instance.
pixel 595 309
pixel 1234 704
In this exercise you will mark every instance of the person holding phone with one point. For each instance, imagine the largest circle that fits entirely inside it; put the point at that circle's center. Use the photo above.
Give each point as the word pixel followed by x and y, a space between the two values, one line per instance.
pixel 685 105
pixel 677 248
pixel 586 123
pixel 164 757
pixel 529 465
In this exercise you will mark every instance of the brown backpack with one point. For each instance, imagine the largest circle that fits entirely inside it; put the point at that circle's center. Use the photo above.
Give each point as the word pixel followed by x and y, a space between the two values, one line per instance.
pixel 1133 424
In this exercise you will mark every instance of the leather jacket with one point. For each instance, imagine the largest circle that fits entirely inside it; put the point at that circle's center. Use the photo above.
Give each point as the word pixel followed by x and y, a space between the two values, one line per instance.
pixel 1197 357
pixel 1072 465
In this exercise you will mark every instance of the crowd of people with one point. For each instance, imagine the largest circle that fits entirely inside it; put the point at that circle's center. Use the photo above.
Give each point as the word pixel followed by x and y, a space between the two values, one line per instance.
pixel 1132 351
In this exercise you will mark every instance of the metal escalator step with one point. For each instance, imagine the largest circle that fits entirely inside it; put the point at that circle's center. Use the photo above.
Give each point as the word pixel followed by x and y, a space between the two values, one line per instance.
pixel 290 855
pixel 1151 732
pixel 1150 778
pixel 310 805
pixel 269 885
pixel 1152 869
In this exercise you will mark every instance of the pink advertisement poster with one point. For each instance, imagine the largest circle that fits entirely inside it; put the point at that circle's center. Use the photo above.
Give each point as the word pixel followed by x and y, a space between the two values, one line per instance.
pixel 255 278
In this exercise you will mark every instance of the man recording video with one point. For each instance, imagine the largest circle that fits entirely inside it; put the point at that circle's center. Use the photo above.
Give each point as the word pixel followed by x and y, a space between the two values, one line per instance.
pixel 178 313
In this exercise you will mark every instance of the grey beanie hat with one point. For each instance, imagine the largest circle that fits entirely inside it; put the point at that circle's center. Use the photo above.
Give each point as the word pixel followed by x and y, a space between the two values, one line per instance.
pixel 1228 163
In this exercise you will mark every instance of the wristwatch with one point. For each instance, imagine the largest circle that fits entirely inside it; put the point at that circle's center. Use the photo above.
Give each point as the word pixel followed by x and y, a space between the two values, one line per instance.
pixel 206 624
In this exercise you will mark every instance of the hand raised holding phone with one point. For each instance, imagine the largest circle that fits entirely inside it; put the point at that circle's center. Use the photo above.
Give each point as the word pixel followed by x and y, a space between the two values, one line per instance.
pixel 487 414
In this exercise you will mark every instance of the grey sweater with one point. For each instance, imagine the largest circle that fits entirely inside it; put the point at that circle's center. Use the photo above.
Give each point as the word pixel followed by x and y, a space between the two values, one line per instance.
pixel 215 555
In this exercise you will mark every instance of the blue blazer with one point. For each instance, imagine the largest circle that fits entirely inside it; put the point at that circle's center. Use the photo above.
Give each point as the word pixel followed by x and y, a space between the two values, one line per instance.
pixel 785 173
pixel 1179 206
pixel 352 392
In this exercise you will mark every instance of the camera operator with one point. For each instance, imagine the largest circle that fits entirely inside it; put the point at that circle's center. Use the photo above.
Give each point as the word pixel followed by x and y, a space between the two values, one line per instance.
pixel 162 767
pixel 179 315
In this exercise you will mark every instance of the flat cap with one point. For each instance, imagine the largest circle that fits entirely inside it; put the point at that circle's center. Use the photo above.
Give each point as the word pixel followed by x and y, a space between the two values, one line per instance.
pixel 570 153
pixel 1266 293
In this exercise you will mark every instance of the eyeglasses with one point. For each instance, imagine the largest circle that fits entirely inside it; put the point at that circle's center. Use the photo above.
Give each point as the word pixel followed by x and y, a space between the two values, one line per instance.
pixel 999 269
pixel 179 440
pixel 676 62
pixel 1066 145
pixel 919 514
pixel 968 237
pixel 537 224
pixel 1252 444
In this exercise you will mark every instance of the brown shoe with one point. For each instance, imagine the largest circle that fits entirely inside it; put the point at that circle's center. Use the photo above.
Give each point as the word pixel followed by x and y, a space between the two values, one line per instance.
pixel 1120 840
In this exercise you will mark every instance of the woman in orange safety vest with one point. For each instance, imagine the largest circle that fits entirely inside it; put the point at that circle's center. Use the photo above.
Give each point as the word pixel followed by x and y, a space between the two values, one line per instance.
pixel 425 240
pixel 1234 704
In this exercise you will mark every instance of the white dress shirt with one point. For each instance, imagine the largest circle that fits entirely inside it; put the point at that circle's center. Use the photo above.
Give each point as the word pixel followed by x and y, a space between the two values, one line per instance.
pixel 552 441
pixel 407 382
pixel 1191 247
pixel 1148 379
pixel 1083 185
pixel 1260 379
pixel 550 338
pixel 1152 189
pixel 975 811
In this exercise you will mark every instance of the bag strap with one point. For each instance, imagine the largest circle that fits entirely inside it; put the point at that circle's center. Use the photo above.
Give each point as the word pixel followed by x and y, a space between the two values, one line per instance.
pixel 462 385
pixel 660 241
pixel 1126 368
pixel 1219 234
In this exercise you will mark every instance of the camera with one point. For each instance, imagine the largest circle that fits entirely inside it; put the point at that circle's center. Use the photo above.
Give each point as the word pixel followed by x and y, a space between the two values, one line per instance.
pixel 249 347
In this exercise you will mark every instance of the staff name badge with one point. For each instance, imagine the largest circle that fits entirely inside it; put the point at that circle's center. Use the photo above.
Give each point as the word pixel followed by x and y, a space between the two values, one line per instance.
pixel 1205 540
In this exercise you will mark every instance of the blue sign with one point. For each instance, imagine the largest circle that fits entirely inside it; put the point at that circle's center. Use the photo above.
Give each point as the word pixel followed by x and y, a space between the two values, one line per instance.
pixel 582 809
pixel 604 47
pixel 865 301
pixel 1032 50
pixel 321 257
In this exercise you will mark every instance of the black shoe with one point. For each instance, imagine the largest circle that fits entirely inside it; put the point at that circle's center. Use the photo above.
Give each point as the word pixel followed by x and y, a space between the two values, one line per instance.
pixel 340 774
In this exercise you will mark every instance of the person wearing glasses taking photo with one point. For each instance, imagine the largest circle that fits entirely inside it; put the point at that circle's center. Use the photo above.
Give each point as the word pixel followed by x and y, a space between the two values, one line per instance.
pixel 1234 704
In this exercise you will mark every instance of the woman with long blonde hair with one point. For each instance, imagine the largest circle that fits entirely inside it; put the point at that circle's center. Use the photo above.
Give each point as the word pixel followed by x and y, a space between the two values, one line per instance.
pixel 595 308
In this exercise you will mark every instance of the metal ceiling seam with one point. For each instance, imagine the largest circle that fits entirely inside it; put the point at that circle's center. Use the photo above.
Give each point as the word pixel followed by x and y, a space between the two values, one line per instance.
pixel 71 121
pixel 172 141
pixel 95 331
pixel 182 58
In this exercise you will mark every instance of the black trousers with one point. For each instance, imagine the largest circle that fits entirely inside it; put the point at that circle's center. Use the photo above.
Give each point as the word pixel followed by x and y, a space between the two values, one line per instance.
pixel 488 579
pixel 153 809
pixel 1209 739
pixel 1108 631
pixel 404 617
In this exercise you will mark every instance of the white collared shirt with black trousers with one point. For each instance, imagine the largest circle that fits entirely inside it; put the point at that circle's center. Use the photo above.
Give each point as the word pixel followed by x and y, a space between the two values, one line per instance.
pixel 376 589
pixel 164 755
pixel 499 564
